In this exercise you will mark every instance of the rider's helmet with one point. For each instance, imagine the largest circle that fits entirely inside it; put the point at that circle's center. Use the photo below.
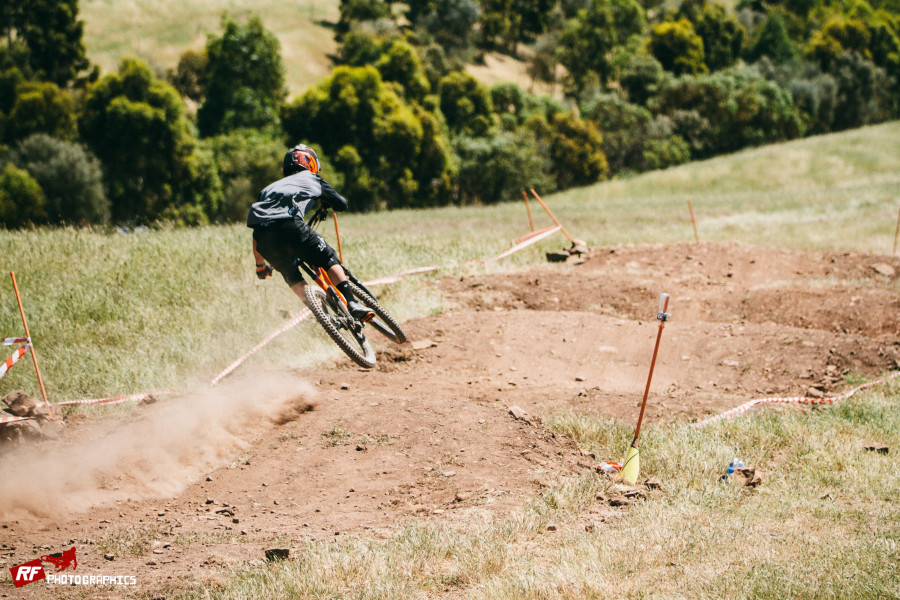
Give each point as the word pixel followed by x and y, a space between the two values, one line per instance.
pixel 299 158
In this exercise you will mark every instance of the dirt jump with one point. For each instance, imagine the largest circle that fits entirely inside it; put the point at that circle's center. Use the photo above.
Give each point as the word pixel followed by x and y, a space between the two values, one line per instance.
pixel 178 491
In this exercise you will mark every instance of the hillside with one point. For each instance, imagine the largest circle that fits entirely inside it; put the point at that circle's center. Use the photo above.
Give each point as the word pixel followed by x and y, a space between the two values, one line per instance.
pixel 159 31
pixel 415 479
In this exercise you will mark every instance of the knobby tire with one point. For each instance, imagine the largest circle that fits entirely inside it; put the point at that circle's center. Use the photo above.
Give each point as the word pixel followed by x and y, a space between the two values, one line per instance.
pixel 383 322
pixel 360 350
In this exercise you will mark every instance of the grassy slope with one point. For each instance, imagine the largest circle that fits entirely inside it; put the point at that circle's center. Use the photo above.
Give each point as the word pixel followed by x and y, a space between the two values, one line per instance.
pixel 159 31
pixel 822 525
pixel 115 313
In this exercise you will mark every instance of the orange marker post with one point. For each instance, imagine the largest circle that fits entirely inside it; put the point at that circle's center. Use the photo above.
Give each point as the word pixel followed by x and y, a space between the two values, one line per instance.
pixel 631 465
pixel 552 216
pixel 33 353
pixel 528 210
pixel 693 220
pixel 338 234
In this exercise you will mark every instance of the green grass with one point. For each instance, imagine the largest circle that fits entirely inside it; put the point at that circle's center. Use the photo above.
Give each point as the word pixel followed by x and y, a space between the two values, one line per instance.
pixel 821 525
pixel 115 313
pixel 159 31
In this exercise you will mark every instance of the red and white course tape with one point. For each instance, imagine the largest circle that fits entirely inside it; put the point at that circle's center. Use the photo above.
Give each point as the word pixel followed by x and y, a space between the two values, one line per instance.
pixel 19 353
pixel 4 420
pixel 294 321
pixel 739 410
pixel 114 399
pixel 522 242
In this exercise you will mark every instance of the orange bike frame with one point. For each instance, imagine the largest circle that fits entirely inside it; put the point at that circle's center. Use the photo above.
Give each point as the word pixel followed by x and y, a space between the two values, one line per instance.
pixel 324 281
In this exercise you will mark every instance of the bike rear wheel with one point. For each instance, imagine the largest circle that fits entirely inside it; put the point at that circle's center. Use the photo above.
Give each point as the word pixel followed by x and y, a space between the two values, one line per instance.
pixel 383 322
pixel 340 327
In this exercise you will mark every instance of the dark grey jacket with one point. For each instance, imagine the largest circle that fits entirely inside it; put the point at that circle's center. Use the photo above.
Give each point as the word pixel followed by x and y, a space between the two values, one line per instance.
pixel 293 194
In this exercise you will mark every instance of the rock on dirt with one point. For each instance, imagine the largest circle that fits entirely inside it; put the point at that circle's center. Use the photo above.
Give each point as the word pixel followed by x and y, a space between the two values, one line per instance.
pixel 573 255
pixel 747 477
pixel 20 431
pixel 273 554
pixel 520 414
pixel 558 256
pixel 423 344
pixel 619 500
pixel 884 269
pixel 653 483
pixel 21 404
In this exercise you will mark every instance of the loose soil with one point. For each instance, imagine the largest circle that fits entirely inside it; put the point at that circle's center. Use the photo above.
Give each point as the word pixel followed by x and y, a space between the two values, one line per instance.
pixel 428 434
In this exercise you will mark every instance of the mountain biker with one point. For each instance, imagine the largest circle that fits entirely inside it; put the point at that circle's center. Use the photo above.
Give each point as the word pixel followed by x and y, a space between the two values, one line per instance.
pixel 281 236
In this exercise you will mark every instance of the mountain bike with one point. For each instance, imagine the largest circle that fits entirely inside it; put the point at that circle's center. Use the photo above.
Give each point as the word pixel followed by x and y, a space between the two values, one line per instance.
pixel 329 307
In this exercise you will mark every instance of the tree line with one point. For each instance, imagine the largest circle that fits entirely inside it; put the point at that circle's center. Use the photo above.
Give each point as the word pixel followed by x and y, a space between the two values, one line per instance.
pixel 399 121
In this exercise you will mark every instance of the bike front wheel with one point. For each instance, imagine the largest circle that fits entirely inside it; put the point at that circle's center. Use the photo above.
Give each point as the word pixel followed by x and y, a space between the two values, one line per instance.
pixel 383 322
pixel 343 329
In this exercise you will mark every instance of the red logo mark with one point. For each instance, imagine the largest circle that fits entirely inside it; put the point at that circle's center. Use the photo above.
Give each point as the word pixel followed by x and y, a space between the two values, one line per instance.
pixel 28 572
pixel 62 560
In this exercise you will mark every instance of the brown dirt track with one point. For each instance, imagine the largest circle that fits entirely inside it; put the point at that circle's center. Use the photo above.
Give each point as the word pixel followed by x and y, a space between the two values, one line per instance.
pixel 428 435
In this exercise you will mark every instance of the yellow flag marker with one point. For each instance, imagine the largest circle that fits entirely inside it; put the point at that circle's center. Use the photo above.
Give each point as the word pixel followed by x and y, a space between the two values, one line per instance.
pixel 631 468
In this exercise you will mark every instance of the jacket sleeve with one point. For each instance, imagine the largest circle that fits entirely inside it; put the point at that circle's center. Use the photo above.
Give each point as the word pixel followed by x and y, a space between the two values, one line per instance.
pixel 331 198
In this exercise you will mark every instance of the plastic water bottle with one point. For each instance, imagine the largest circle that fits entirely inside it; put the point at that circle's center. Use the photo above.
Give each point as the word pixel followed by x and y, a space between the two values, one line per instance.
pixel 733 466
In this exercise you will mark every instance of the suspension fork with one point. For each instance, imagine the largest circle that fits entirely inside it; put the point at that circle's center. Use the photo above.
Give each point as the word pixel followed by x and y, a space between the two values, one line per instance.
pixel 358 283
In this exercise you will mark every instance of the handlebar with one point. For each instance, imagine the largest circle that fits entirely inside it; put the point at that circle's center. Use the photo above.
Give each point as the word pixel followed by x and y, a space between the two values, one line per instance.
pixel 317 217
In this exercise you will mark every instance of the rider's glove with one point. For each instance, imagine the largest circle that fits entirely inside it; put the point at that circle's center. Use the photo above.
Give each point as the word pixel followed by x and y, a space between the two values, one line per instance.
pixel 263 271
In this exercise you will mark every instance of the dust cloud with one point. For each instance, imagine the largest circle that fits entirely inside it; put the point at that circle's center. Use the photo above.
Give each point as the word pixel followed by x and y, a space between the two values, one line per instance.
pixel 156 451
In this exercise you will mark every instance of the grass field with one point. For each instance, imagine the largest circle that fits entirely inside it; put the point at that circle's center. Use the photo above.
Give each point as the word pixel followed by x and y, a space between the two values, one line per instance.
pixel 114 313
pixel 823 525
pixel 159 31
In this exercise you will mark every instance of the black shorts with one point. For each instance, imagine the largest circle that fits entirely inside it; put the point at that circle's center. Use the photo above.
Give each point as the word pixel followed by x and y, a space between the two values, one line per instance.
pixel 283 242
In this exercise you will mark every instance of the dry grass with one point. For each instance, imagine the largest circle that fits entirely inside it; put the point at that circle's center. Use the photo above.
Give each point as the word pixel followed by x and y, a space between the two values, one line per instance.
pixel 159 31
pixel 502 68
pixel 821 525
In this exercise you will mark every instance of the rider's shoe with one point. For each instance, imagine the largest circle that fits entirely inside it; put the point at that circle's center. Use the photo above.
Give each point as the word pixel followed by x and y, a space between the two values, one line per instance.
pixel 360 311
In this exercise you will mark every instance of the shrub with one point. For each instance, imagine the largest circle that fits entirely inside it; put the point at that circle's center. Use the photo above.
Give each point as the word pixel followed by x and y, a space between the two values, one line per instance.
pixel 723 37
pixel 728 110
pixel 246 161
pixel 677 47
pixel 244 79
pixel 400 149
pixel 588 41
pixel 40 107
pixel 465 104
pixel 640 77
pixel 70 177
pixel 137 127
pixel 773 41
pixel 189 77
pixel 21 198
pixel 496 168
pixel 573 147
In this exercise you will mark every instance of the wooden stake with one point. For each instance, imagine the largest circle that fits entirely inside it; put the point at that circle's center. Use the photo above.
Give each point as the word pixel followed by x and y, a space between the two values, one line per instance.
pixel 528 210
pixel 896 232
pixel 552 216
pixel 33 353
pixel 338 234
pixel 693 220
